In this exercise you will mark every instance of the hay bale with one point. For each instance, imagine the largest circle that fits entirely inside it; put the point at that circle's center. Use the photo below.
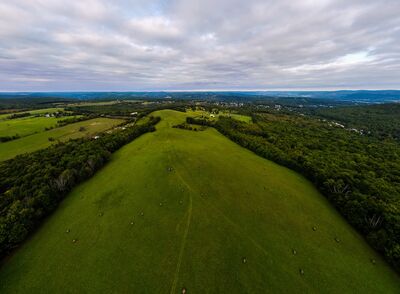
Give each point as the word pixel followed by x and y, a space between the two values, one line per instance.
pixel 294 251
pixel 244 260
pixel 183 290
pixel 314 228
pixel 160 203
pixel 132 223
pixel 74 241
pixel 337 240
pixel 301 271
pixel 373 261
pixel 67 231
pixel 142 214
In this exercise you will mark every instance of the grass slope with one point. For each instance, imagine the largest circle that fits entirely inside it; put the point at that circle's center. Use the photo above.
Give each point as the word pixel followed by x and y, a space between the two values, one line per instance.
pixel 41 140
pixel 178 208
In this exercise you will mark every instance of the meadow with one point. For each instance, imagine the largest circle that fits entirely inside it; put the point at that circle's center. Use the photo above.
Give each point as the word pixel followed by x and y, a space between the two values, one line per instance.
pixel 27 125
pixel 179 209
pixel 41 140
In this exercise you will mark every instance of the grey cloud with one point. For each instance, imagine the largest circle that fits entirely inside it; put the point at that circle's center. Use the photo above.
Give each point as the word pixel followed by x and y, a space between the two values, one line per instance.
pixel 208 44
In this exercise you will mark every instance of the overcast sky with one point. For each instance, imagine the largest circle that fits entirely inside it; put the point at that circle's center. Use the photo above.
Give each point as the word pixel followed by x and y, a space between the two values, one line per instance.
pixel 58 45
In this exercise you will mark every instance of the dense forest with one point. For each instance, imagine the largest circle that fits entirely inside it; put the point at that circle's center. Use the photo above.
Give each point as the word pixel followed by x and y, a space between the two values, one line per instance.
pixel 32 185
pixel 359 174
pixel 14 103
pixel 381 120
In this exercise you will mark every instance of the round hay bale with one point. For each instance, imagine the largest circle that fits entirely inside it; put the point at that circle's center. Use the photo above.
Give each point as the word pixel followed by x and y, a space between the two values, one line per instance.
pixel 314 228
pixel 337 240
pixel 301 271
pixel 67 231
pixel 142 214
pixel 244 260
pixel 74 241
pixel 294 251
pixel 373 261
pixel 183 290
pixel 132 223
pixel 160 203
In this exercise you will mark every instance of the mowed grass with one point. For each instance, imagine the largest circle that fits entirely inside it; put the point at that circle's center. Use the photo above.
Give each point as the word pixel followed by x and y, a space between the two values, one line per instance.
pixel 181 209
pixel 41 140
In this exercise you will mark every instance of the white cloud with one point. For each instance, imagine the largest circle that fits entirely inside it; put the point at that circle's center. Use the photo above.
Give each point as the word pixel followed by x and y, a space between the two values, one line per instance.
pixel 340 64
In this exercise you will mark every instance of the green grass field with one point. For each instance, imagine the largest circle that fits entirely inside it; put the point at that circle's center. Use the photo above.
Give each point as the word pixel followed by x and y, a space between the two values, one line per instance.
pixel 183 209
pixel 27 125
pixel 41 140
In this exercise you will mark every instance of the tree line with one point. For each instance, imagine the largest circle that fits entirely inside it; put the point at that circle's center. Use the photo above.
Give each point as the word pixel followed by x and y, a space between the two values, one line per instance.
pixel 73 119
pixel 32 185
pixel 18 115
pixel 4 139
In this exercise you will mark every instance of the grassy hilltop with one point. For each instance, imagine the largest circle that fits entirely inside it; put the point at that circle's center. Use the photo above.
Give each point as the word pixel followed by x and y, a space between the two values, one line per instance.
pixel 190 209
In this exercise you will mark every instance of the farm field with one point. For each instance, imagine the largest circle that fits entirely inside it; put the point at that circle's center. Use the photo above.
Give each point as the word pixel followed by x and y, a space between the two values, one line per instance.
pixel 41 140
pixel 181 209
pixel 27 125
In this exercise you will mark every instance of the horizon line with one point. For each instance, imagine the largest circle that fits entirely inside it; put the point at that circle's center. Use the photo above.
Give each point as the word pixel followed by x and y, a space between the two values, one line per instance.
pixel 195 90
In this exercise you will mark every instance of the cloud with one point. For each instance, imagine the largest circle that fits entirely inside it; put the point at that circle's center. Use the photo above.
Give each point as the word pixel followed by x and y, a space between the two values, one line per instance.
pixel 208 44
